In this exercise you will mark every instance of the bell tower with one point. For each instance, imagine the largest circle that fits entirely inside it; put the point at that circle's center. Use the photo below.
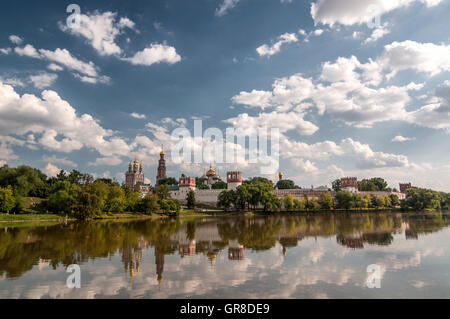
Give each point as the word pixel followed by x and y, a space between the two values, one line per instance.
pixel 161 167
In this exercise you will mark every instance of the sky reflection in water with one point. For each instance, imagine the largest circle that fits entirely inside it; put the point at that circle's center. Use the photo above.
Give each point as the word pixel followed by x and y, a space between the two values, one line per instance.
pixel 298 256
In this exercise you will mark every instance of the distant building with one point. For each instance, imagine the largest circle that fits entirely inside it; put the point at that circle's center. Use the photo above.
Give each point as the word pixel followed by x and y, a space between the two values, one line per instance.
pixel 404 187
pixel 234 180
pixel 349 184
pixel 211 177
pixel 187 183
pixel 135 178
pixel 161 168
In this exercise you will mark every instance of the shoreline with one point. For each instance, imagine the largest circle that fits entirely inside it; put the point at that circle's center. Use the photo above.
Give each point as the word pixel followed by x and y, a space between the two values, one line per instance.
pixel 30 218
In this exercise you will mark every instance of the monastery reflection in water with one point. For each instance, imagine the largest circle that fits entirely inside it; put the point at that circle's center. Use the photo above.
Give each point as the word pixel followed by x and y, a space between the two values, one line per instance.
pixel 212 238
pixel 219 240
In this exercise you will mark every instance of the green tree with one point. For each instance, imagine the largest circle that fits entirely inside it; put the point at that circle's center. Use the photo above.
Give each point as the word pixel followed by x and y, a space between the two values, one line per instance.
pixel 150 203
pixel 168 181
pixel 299 204
pixel 116 200
pixel 225 199
pixel 286 184
pixel 219 185
pixel 162 191
pixel 336 185
pixel 344 200
pixel 7 200
pixel 190 198
pixel 133 200
pixel 288 202
pixel 326 201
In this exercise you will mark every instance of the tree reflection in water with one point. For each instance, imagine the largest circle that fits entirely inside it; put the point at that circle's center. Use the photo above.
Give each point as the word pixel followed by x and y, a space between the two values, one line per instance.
pixel 76 243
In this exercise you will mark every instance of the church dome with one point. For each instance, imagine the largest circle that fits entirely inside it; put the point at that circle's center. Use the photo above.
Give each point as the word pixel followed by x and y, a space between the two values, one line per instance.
pixel 211 172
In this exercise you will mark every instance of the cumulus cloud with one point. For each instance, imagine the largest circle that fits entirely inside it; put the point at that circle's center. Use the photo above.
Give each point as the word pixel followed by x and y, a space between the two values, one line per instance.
pixel 266 50
pixel 5 51
pixel 435 115
pixel 56 122
pixel 27 50
pixel 155 53
pixel 423 57
pixel 350 12
pixel 286 93
pixel 56 160
pixel 85 71
pixel 43 80
pixel 106 161
pixel 54 67
pixel 357 93
pixel 284 121
pixel 51 170
pixel 101 30
pixel 378 33
pixel 15 39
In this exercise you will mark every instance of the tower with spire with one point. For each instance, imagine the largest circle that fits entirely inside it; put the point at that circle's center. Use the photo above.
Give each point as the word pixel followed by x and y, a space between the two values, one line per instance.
pixel 161 166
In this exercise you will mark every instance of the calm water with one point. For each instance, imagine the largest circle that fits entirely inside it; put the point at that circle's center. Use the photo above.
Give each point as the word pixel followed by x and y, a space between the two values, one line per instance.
pixel 298 256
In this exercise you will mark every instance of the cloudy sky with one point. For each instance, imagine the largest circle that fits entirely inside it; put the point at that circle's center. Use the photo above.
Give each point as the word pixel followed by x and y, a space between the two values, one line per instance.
pixel 356 87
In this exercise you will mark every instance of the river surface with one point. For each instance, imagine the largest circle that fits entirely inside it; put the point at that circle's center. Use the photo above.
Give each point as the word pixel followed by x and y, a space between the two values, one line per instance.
pixel 277 256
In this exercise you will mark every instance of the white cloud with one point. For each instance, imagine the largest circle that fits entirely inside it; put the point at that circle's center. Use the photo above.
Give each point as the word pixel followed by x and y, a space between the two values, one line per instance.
pixel 284 121
pixel 353 92
pixel 54 67
pixel 57 122
pixel 62 161
pixel 101 30
pixel 43 80
pixel 174 122
pixel 27 50
pixel 435 115
pixel 13 81
pixel 51 170
pixel 422 57
pixel 138 116
pixel 378 33
pixel 88 70
pixel 156 53
pixel 400 139
pixel 305 166
pixel 15 39
pixel 350 12
pixel 225 6
pixel 266 50
pixel 63 57
pixel 286 93
pixel 5 51
pixel 106 161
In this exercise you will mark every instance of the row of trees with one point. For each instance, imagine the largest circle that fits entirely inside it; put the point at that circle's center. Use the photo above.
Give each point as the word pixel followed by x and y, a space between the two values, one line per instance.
pixel 426 199
pixel 376 184
pixel 77 194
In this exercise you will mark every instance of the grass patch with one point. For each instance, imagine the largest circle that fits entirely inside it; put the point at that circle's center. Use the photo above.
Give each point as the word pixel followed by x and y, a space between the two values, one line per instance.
pixel 29 217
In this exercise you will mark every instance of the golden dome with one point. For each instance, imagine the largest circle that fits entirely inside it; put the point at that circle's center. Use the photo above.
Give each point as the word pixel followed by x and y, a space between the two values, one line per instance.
pixel 162 153
pixel 211 172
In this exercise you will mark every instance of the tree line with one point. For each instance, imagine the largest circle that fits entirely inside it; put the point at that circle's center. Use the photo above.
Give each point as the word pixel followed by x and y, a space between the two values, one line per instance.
pixel 76 194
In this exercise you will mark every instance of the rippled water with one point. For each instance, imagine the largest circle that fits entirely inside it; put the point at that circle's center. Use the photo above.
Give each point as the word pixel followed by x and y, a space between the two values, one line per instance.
pixel 294 256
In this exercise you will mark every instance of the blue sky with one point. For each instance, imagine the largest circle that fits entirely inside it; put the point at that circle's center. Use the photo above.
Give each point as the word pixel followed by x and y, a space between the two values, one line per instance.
pixel 350 97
